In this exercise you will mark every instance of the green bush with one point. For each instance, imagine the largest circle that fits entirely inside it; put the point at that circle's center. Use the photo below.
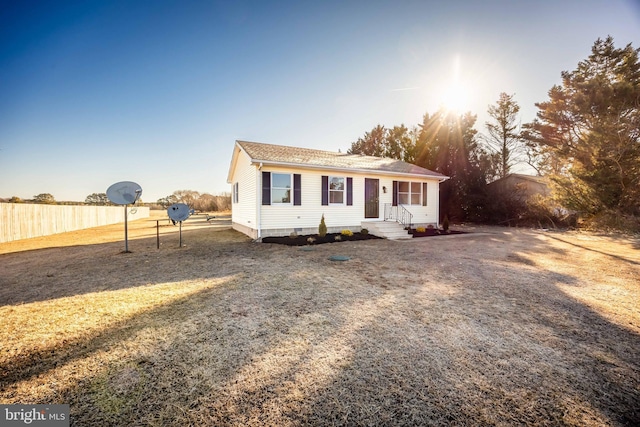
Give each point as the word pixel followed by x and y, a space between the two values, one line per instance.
pixel 364 231
pixel 322 228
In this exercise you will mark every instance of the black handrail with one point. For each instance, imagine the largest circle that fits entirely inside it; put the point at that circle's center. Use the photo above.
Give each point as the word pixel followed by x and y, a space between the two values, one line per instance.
pixel 399 214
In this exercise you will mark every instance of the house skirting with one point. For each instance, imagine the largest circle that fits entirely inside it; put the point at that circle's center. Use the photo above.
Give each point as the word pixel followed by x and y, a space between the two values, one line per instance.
pixel 251 232
pixel 269 232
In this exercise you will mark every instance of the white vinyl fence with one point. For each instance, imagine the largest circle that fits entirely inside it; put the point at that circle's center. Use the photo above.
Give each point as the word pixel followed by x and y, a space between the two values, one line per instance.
pixel 22 220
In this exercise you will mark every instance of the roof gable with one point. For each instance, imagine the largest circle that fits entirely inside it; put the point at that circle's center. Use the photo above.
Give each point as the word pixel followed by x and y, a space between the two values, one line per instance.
pixel 319 159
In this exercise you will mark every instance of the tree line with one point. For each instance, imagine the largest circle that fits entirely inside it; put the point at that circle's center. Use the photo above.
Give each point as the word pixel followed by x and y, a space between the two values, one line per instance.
pixel 203 202
pixel 585 140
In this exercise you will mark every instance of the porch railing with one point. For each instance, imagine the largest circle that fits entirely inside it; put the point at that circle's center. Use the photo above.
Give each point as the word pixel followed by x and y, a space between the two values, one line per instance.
pixel 399 214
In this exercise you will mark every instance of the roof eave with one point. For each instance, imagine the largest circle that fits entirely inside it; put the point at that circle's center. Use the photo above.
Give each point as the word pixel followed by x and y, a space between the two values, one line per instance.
pixel 440 178
pixel 234 158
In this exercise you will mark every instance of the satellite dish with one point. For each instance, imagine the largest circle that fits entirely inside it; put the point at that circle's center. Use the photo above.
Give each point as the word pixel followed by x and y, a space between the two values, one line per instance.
pixel 124 193
pixel 178 212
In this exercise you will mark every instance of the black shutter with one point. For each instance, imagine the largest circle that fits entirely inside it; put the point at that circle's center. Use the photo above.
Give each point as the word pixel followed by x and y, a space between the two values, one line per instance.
pixel 266 188
pixel 349 191
pixel 297 190
pixel 424 193
pixel 395 194
pixel 325 190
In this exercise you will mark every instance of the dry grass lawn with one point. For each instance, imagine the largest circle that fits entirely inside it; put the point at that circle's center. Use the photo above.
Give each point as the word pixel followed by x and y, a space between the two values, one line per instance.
pixel 504 327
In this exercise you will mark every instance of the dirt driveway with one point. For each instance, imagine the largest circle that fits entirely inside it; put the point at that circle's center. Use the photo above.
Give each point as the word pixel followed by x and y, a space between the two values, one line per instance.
pixel 499 327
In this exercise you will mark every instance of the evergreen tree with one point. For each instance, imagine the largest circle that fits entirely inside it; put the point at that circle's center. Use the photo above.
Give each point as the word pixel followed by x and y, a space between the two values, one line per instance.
pixel 588 133
pixel 373 143
pixel 98 199
pixel 503 137
pixel 44 198
pixel 448 144
pixel 396 143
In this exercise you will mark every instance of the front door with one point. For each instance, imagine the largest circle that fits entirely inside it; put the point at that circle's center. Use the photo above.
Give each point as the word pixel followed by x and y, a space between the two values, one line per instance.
pixel 371 202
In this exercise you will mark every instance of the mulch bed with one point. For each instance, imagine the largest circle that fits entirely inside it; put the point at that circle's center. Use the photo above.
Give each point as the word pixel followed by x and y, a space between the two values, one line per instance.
pixel 432 232
pixel 304 240
pixel 317 240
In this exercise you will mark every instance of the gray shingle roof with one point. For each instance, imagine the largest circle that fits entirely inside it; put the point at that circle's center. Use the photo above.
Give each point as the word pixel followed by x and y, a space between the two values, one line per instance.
pixel 307 157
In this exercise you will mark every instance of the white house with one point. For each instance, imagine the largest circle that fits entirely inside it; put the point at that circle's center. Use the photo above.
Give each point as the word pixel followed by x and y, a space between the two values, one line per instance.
pixel 279 189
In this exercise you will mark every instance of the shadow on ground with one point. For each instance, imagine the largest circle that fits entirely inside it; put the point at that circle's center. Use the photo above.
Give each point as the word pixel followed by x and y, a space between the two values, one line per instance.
pixel 475 331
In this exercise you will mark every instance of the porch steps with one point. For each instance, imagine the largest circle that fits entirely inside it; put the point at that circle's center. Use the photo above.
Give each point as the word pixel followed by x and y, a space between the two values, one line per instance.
pixel 387 229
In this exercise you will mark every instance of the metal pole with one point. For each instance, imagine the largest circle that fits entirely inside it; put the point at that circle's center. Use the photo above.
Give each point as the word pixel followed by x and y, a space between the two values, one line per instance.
pixel 126 231
pixel 180 233
pixel 158 233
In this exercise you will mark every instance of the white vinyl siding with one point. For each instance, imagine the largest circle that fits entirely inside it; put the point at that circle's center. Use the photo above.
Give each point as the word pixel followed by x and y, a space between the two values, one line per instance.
pixel 308 214
pixel 244 212
pixel 289 217
pixel 282 218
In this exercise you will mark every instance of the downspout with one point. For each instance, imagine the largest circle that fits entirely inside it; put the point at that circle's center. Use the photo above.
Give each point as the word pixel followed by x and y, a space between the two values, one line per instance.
pixel 259 200
pixel 438 208
pixel 438 204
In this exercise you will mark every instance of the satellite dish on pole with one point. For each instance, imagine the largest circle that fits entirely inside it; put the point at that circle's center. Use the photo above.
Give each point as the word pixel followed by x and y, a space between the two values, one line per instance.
pixel 178 212
pixel 124 193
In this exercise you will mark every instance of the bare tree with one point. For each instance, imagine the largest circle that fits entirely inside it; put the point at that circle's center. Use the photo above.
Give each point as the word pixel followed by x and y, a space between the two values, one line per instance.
pixel 188 197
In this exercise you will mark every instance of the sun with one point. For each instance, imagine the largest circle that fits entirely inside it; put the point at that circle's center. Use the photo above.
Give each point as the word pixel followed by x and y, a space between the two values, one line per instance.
pixel 455 98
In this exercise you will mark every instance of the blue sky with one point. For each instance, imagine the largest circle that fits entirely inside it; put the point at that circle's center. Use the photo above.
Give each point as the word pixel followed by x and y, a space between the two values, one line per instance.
pixel 156 92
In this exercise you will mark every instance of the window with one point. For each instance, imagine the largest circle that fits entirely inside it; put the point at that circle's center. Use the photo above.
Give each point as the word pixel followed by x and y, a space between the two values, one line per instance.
pixel 415 193
pixel 425 186
pixel 409 193
pixel 235 193
pixel 276 188
pixel 403 193
pixel 336 190
pixel 280 188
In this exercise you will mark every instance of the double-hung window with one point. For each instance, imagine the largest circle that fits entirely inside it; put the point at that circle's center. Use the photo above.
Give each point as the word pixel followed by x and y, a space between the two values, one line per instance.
pixel 409 193
pixel 403 192
pixel 336 190
pixel 280 188
pixel 415 193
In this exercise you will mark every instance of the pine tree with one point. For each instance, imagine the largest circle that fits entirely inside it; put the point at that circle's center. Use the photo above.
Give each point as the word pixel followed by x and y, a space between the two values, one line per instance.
pixel 588 133
pixel 503 137
pixel 322 229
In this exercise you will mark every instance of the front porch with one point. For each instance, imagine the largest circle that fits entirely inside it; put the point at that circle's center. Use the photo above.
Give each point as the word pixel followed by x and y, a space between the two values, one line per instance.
pixel 387 229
